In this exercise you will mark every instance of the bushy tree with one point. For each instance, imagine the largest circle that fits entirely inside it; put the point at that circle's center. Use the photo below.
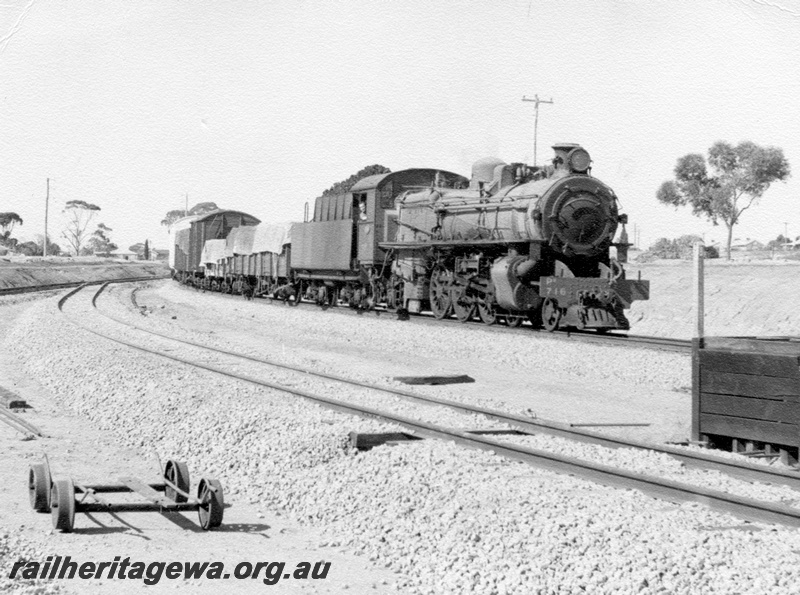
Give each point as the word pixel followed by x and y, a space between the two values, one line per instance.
pixel 682 247
pixel 200 208
pixel 7 223
pixel 100 242
pixel 79 214
pixel 739 177
pixel 345 185
pixel 29 249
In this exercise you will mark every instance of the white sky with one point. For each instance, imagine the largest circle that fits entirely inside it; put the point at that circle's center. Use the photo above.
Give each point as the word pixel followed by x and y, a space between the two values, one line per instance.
pixel 260 106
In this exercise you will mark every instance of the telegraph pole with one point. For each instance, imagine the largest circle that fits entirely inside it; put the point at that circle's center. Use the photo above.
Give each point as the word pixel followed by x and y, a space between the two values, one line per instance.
pixel 186 209
pixel 536 101
pixel 46 209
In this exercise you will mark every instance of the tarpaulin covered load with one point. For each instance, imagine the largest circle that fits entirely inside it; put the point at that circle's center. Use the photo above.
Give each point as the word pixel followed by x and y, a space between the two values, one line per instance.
pixel 271 237
pixel 240 241
pixel 213 251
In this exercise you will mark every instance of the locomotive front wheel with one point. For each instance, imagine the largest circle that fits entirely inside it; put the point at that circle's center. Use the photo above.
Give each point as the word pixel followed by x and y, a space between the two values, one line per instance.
pixel 551 315
pixel 39 487
pixel 212 503
pixel 177 473
pixel 439 294
pixel 62 505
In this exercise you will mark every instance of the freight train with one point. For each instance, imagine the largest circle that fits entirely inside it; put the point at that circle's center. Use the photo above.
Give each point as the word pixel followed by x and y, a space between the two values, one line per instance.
pixel 513 242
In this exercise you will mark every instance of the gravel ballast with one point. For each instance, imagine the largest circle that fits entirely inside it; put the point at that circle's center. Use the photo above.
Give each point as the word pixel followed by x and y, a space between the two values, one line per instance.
pixel 446 519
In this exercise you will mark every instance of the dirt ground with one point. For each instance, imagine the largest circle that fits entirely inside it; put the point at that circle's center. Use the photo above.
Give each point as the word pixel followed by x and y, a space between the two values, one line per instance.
pixel 758 299
pixel 741 298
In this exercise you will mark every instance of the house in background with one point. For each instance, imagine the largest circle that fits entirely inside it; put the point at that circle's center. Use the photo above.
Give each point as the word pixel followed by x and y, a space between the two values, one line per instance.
pixel 746 245
pixel 121 254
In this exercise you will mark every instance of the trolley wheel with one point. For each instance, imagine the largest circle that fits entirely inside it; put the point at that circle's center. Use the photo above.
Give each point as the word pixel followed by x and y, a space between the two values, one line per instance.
pixel 39 487
pixel 212 503
pixel 62 505
pixel 177 473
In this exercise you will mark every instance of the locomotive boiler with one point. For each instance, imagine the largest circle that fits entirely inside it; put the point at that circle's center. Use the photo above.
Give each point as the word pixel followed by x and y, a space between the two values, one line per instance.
pixel 519 242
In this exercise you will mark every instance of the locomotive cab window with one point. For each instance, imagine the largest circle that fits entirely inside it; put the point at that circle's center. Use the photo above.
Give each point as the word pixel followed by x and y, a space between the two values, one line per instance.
pixel 360 206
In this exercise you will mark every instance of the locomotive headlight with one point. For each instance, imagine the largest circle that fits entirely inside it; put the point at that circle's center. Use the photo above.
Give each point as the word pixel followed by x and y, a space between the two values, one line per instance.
pixel 579 160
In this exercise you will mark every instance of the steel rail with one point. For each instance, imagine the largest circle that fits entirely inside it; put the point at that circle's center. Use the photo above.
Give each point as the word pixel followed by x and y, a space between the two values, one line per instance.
pixel 19 424
pixel 739 469
pixel 623 340
pixel 745 508
pixel 58 286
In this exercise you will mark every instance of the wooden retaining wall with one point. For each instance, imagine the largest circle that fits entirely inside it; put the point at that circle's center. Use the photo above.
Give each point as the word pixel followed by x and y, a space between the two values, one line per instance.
pixel 748 389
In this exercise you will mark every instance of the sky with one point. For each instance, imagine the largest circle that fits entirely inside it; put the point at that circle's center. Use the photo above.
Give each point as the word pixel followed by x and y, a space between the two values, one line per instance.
pixel 260 106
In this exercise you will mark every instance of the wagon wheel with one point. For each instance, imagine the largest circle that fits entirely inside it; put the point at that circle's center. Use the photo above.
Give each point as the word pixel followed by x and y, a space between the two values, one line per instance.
pixel 551 315
pixel 62 505
pixel 439 293
pixel 322 296
pixel 394 293
pixel 39 487
pixel 463 305
pixel 295 298
pixel 177 473
pixel 212 503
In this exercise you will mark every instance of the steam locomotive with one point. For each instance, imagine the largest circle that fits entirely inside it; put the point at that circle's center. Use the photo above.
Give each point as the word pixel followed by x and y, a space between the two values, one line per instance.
pixel 512 242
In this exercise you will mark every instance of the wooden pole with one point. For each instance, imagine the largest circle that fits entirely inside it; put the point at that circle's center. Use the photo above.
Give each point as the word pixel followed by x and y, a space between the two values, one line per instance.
pixel 46 210
pixel 697 342
pixel 699 290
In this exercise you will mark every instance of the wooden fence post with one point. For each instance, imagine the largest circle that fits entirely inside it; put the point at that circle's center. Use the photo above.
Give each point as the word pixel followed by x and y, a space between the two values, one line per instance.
pixel 697 341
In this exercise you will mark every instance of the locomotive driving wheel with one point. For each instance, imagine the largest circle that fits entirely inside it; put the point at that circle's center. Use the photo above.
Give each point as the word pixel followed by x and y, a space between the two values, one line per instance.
pixel 439 294
pixel 487 310
pixel 463 305
pixel 551 315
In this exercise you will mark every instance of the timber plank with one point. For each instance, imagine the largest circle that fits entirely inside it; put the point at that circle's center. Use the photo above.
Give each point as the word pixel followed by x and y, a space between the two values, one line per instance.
pixel 785 366
pixel 747 385
pixel 751 408
pixel 145 491
pixel 779 346
pixel 750 429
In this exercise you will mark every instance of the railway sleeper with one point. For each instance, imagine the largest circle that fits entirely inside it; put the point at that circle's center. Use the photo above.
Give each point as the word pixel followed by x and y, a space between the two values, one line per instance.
pixel 364 441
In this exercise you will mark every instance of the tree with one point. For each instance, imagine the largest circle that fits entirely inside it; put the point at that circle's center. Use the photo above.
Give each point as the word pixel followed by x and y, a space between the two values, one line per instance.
pixel 345 185
pixel 80 213
pixel 147 249
pixel 100 243
pixel 739 177
pixel 53 249
pixel 777 243
pixel 29 249
pixel 682 247
pixel 7 223
pixel 200 208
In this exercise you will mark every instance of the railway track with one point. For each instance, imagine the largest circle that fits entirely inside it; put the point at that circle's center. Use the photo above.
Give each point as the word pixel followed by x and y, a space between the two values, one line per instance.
pixel 745 508
pixel 612 338
pixel 20 425
pixel 60 286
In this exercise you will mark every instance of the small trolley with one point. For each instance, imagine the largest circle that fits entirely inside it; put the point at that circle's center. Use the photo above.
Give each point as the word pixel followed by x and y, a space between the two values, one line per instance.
pixel 64 497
